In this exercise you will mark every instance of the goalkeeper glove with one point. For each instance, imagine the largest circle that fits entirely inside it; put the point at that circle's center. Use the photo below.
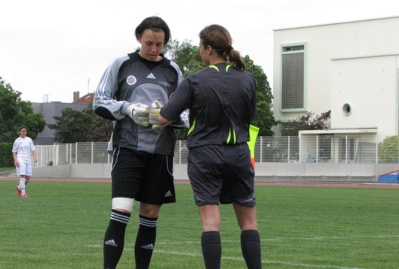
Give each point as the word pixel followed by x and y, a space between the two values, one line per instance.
pixel 154 114
pixel 139 113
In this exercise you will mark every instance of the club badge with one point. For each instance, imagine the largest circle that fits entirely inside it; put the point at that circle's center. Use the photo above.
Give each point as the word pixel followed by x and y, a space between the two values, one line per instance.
pixel 131 80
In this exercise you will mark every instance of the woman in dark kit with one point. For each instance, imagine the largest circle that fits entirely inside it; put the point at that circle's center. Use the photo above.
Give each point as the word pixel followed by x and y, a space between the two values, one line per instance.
pixel 221 99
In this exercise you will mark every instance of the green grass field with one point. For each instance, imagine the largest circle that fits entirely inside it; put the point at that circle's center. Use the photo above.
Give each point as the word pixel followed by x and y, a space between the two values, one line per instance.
pixel 61 225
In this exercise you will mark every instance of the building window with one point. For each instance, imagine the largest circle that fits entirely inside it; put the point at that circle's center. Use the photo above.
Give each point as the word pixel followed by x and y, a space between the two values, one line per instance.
pixel 346 149
pixel 293 77
pixel 347 109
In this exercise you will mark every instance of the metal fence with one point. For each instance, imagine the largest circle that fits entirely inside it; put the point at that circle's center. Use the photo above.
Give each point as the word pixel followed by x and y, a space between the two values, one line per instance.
pixel 274 149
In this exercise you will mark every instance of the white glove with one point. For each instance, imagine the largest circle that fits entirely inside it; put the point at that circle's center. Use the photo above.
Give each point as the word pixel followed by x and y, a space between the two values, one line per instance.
pixel 139 114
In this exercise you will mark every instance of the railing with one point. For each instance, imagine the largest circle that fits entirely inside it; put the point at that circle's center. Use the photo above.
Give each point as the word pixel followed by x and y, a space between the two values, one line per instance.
pixel 274 149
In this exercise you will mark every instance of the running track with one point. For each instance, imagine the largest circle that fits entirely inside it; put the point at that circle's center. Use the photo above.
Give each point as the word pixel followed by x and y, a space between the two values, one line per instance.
pixel 315 184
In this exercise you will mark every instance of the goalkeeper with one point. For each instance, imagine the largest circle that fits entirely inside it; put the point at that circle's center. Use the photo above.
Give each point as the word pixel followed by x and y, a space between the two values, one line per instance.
pixel 142 164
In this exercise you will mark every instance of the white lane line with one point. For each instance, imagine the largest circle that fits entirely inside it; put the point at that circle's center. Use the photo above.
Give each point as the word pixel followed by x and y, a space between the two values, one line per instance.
pixel 293 264
pixel 263 261
pixel 291 238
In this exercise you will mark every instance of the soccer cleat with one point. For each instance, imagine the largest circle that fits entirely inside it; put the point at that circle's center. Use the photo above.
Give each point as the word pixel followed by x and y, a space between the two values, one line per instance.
pixel 24 195
pixel 19 191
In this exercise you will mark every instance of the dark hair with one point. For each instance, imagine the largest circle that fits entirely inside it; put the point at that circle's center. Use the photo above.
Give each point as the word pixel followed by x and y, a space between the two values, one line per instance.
pixel 22 127
pixel 155 24
pixel 217 37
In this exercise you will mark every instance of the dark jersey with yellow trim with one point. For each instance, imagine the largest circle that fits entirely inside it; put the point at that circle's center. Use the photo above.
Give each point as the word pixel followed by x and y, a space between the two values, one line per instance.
pixel 221 100
pixel 135 80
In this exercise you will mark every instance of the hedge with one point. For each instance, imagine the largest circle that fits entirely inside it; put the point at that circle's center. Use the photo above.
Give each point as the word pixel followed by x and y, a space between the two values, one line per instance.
pixel 6 159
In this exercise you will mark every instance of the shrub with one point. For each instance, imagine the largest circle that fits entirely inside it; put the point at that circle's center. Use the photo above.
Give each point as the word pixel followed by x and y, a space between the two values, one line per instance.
pixel 388 150
pixel 6 159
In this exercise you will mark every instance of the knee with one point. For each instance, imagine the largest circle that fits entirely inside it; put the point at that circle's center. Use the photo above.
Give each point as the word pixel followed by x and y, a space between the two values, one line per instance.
pixel 150 211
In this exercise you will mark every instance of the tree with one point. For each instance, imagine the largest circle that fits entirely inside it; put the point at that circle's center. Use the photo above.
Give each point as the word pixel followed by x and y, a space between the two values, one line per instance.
pixel 81 126
pixel 264 118
pixel 102 127
pixel 15 113
pixel 388 150
pixel 309 121
pixel 185 55
pixel 189 61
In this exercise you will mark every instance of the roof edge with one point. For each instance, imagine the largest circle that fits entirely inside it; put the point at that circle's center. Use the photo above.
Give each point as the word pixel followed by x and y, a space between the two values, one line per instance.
pixel 335 23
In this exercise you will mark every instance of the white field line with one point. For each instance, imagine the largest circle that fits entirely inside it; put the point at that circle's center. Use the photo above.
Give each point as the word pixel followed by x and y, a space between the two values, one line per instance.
pixel 263 261
pixel 291 238
pixel 293 264
pixel 330 237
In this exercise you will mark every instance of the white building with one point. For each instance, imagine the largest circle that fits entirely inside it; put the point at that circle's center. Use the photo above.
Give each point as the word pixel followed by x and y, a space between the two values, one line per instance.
pixel 350 68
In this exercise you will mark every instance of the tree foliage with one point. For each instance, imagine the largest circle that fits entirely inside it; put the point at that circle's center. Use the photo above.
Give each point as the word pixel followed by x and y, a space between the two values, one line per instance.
pixel 185 55
pixel 15 113
pixel 388 150
pixel 309 121
pixel 80 126
pixel 6 159
pixel 264 118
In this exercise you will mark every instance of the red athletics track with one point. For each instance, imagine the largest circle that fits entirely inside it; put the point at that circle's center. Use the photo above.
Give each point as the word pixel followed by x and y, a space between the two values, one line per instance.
pixel 313 184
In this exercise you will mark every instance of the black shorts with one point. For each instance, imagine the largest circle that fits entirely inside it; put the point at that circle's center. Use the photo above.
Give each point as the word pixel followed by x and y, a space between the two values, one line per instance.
pixel 221 174
pixel 145 177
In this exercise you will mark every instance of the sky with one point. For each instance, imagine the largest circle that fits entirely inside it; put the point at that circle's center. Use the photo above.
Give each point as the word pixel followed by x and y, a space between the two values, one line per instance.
pixel 52 48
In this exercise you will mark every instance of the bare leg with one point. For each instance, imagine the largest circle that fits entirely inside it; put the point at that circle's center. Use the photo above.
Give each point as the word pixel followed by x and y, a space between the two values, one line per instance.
pixel 210 239
pixel 250 238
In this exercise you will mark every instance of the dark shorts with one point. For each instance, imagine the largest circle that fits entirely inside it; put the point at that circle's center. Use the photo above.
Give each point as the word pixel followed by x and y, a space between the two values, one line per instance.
pixel 221 174
pixel 145 177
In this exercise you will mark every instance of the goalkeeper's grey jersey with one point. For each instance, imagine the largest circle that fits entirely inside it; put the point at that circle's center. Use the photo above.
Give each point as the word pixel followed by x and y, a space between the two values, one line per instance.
pixel 221 100
pixel 135 80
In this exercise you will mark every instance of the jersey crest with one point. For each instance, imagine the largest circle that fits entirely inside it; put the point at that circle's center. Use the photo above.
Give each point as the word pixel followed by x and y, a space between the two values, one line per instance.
pixel 131 80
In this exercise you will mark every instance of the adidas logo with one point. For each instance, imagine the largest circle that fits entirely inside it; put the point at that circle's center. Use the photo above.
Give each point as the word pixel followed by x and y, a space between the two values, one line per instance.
pixel 151 76
pixel 149 246
pixel 111 243
pixel 168 194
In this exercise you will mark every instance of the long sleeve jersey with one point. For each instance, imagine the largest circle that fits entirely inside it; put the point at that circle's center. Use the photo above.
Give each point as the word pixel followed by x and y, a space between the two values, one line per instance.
pixel 221 100
pixel 133 79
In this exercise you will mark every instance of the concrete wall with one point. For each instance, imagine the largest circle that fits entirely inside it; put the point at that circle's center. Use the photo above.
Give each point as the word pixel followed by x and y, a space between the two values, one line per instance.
pixel 265 172
pixel 307 172
pixel 369 86
pixel 88 171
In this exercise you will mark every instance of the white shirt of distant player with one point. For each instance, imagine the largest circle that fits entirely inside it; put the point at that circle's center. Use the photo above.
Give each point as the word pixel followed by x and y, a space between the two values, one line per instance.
pixel 23 147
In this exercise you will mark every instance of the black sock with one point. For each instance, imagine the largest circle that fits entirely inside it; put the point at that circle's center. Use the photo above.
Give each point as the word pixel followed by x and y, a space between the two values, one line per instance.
pixel 211 249
pixel 145 242
pixel 250 247
pixel 114 238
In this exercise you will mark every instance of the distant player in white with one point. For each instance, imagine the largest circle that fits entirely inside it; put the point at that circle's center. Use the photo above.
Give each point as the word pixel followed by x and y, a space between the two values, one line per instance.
pixel 22 150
